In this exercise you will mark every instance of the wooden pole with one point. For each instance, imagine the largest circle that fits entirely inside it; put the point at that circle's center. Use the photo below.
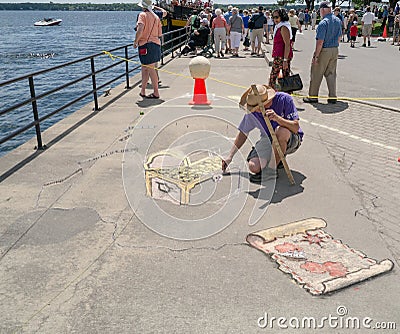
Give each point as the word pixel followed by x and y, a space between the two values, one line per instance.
pixel 271 130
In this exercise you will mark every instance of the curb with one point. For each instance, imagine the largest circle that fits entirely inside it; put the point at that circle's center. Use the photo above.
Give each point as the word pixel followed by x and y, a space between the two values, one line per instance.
pixel 382 106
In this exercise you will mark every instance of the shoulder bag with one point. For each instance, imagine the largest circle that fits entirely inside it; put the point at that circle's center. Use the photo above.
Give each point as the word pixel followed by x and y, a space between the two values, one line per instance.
pixel 291 83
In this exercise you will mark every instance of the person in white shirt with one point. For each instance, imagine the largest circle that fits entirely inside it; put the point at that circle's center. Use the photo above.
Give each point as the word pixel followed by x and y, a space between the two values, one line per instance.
pixel 367 23
pixel 313 19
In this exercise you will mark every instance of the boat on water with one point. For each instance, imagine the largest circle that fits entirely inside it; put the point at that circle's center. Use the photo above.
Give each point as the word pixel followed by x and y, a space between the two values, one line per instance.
pixel 48 22
pixel 178 13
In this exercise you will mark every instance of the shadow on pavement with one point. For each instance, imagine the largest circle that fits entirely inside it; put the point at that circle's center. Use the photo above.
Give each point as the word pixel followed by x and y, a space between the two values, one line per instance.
pixel 145 103
pixel 339 106
pixel 283 189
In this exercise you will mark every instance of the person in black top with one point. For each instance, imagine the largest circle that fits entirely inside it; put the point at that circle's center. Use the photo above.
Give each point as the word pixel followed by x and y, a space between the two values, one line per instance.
pixel 199 37
pixel 257 25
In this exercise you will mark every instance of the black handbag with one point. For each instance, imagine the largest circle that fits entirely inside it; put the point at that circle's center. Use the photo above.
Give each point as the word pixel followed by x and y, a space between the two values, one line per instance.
pixel 246 41
pixel 291 83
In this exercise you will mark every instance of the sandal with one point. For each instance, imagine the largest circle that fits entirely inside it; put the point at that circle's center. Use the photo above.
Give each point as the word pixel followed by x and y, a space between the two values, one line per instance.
pixel 142 95
pixel 152 96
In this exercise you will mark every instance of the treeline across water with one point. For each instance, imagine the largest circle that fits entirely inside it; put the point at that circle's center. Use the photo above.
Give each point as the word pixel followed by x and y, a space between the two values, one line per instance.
pixel 70 6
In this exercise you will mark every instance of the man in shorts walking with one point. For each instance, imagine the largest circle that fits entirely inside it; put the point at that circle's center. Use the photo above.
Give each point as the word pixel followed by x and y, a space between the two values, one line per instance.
pixel 281 111
pixel 367 23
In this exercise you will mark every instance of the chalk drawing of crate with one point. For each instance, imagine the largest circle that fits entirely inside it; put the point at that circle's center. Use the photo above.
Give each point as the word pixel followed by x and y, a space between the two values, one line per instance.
pixel 185 175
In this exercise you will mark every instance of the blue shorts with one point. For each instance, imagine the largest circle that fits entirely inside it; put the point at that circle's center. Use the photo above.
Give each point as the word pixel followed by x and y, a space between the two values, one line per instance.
pixel 153 53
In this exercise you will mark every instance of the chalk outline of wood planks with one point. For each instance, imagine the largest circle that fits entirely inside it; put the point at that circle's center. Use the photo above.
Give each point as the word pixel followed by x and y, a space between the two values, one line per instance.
pixel 186 176
pixel 303 235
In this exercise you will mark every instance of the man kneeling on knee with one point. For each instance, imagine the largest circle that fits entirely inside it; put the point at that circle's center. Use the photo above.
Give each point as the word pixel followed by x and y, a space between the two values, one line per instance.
pixel 281 111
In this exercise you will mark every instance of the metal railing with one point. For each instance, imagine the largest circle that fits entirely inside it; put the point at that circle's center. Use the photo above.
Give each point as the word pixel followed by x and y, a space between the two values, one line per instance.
pixel 170 42
pixel 174 40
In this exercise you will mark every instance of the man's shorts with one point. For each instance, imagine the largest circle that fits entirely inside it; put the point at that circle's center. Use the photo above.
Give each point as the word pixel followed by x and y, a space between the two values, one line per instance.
pixel 367 30
pixel 263 147
pixel 257 33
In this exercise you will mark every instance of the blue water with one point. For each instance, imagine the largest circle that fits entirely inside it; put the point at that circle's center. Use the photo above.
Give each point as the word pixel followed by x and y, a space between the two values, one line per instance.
pixel 25 48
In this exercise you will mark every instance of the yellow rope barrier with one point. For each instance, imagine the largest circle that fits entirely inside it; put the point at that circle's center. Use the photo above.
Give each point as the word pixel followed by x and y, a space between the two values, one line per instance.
pixel 113 57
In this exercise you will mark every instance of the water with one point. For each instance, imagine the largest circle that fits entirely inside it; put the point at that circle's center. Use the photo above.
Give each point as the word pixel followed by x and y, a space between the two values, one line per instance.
pixel 25 48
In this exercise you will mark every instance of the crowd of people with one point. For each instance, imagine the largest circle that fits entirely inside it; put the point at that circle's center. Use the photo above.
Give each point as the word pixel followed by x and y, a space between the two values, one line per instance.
pixel 228 29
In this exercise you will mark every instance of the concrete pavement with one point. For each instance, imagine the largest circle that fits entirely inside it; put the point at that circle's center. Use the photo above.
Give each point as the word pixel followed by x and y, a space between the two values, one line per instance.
pixel 75 258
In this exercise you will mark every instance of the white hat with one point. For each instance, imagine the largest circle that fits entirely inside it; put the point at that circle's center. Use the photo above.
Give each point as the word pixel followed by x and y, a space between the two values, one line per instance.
pixel 145 4
pixel 204 21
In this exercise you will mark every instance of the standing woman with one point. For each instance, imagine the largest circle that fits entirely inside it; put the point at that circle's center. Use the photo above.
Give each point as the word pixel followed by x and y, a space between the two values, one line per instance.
pixel 282 51
pixel 236 31
pixel 246 19
pixel 147 39
pixel 294 24
pixel 352 17
pixel 270 24
pixel 219 28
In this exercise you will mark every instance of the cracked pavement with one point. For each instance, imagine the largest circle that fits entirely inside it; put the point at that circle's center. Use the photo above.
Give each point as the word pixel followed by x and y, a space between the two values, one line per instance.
pixel 75 259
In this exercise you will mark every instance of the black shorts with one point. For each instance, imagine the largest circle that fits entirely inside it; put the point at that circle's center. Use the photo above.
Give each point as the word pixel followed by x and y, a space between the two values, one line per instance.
pixel 153 53
pixel 353 38
pixel 294 31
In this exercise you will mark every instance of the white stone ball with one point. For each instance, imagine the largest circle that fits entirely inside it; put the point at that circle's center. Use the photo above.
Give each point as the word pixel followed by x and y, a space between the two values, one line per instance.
pixel 199 67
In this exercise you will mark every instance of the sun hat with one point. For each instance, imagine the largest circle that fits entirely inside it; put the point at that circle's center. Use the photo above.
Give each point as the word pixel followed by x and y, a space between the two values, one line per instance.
pixel 145 4
pixel 325 4
pixel 250 102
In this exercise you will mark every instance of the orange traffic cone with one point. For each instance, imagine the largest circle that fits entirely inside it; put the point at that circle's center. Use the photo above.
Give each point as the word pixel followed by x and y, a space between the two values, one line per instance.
pixel 200 92
pixel 384 35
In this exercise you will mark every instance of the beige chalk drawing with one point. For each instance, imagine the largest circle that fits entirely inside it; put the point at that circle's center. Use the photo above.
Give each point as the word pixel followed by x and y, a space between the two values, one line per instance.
pixel 313 258
pixel 167 172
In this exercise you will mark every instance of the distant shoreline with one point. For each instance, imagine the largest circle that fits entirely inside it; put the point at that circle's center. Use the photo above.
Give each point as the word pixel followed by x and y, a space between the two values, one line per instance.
pixel 70 7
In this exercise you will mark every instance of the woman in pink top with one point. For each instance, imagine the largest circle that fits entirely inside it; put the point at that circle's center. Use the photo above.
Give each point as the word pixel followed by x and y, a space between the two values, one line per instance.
pixel 219 28
pixel 282 52
pixel 147 39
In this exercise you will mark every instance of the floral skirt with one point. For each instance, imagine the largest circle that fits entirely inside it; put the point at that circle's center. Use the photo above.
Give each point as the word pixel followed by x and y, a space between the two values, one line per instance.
pixel 277 66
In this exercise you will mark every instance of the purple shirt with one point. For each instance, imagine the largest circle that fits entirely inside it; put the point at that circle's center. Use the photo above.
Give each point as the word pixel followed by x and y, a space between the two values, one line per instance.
pixel 282 104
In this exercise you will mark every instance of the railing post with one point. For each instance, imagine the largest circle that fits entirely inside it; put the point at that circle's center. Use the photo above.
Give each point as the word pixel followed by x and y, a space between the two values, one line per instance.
pixel 126 68
pixel 162 52
pixel 172 53
pixel 96 104
pixel 35 113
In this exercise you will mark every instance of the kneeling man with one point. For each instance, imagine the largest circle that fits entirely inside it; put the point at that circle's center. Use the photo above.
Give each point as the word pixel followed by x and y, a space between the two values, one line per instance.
pixel 281 111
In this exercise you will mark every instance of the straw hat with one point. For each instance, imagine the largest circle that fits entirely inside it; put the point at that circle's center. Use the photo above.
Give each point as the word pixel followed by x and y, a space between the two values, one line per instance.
pixel 250 102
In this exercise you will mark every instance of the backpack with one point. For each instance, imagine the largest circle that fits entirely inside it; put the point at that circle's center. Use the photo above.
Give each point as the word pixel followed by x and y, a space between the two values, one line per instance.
pixel 196 22
pixel 252 21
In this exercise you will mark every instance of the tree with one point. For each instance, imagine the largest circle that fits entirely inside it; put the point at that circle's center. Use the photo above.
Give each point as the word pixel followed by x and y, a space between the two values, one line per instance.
pixel 283 3
pixel 310 4
pixel 393 3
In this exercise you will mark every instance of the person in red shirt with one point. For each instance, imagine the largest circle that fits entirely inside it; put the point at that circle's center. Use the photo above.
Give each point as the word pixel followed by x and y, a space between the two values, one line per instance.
pixel 353 34
pixel 282 51
pixel 219 28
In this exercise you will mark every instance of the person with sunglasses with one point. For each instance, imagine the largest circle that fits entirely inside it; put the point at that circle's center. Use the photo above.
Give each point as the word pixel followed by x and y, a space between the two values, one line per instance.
pixel 282 52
